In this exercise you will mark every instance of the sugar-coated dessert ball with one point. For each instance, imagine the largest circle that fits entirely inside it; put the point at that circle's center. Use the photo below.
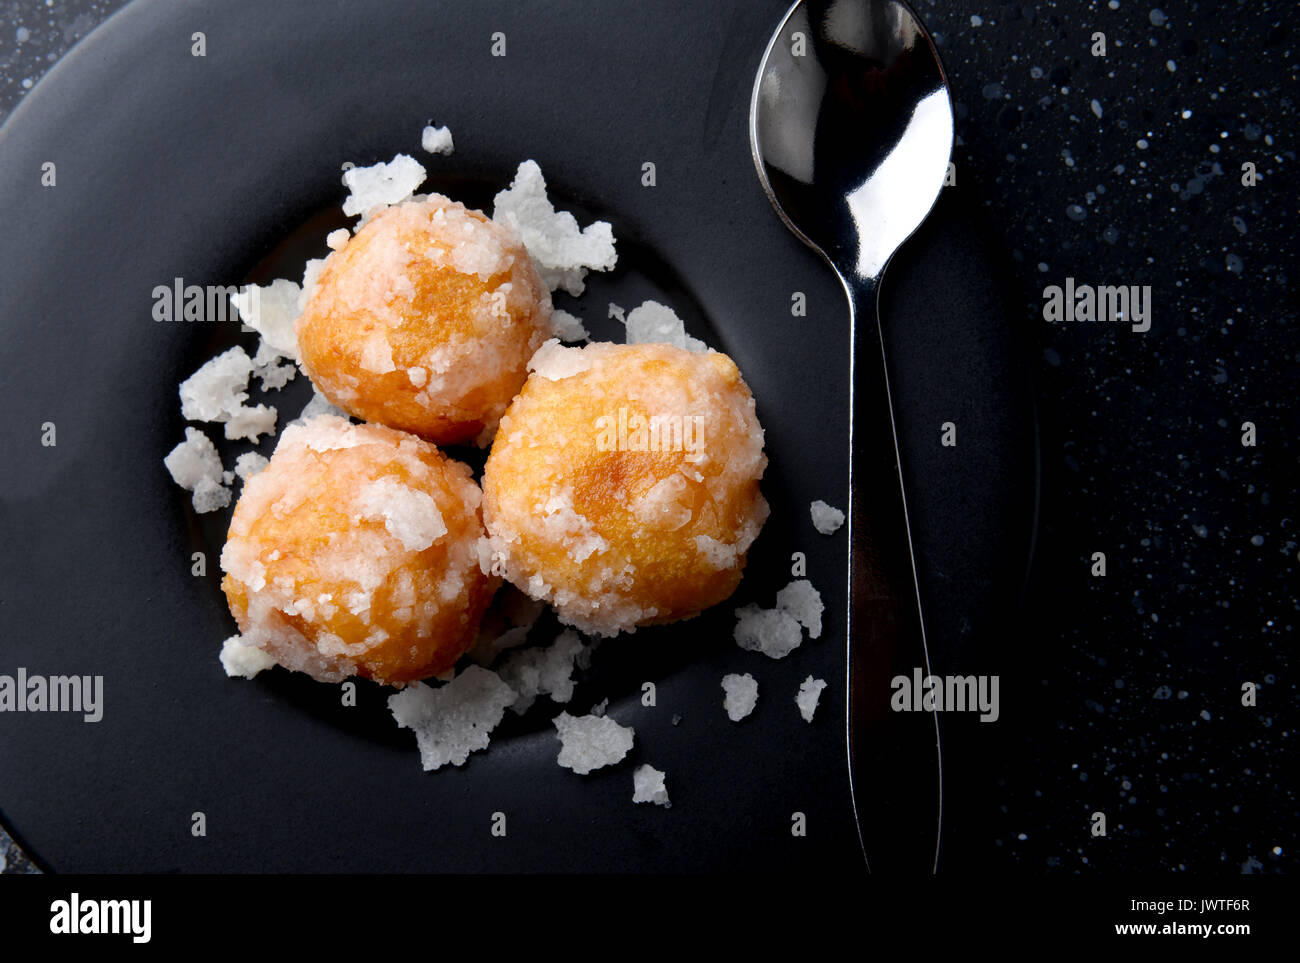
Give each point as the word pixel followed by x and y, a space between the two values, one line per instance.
pixel 425 320
pixel 354 552
pixel 622 486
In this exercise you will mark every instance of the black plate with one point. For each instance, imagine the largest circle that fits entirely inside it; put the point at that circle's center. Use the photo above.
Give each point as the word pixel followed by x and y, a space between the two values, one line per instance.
pixel 171 165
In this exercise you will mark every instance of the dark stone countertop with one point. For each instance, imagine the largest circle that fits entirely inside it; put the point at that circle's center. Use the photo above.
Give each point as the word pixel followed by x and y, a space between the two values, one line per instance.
pixel 1122 169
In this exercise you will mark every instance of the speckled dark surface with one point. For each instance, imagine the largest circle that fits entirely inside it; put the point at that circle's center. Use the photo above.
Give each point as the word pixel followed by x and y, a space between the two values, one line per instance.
pixel 1123 169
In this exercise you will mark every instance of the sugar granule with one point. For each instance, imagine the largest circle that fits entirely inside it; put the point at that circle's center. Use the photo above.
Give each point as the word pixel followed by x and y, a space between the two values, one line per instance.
pixel 454 720
pixel 381 185
pixel 195 465
pixel 193 460
pixel 804 604
pixel 741 695
pixel 218 389
pixel 826 519
pixel 209 496
pixel 436 140
pixel 563 252
pixel 243 661
pixel 554 362
pixel 652 322
pixel 568 327
pixel 411 516
pixel 810 690
pixel 271 368
pixel 311 273
pixel 648 786
pixel 249 464
pixel 546 670
pixel 591 742
pixel 771 631
pixel 271 310
pixel 251 423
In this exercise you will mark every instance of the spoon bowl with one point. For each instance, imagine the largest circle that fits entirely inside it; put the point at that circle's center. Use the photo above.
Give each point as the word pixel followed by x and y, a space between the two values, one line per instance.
pixel 851 126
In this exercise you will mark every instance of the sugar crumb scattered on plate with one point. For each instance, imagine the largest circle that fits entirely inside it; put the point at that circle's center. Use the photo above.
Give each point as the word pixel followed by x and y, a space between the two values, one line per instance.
pixel 825 518
pixel 648 786
pixel 591 742
pixel 810 691
pixel 741 695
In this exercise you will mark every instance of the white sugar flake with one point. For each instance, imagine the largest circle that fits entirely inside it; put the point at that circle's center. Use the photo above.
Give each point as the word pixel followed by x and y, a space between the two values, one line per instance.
pixel 568 327
pixel 655 323
pixel 741 695
pixel 771 631
pixel 251 423
pixel 271 310
pixel 554 362
pixel 543 671
pixel 803 603
pixel 454 720
pixel 381 185
pixel 563 252
pixel 591 742
pixel 218 389
pixel 810 691
pixel 436 140
pixel 410 516
pixel 195 465
pixel 271 368
pixel 826 519
pixel 243 661
pixel 249 464
pixel 648 786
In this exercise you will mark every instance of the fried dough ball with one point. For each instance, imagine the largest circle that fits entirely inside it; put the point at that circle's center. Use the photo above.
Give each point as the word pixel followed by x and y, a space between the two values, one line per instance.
pixel 424 321
pixel 353 552
pixel 622 486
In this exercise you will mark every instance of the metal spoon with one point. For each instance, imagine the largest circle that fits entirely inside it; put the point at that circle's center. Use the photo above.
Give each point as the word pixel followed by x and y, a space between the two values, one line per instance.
pixel 851 127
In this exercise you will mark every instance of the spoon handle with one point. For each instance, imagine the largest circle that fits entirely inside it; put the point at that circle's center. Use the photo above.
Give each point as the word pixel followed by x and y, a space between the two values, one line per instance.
pixel 894 763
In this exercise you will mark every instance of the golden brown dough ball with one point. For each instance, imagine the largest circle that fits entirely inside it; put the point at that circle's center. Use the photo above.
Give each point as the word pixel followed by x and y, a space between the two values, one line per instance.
pixel 353 552
pixel 424 321
pixel 622 485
